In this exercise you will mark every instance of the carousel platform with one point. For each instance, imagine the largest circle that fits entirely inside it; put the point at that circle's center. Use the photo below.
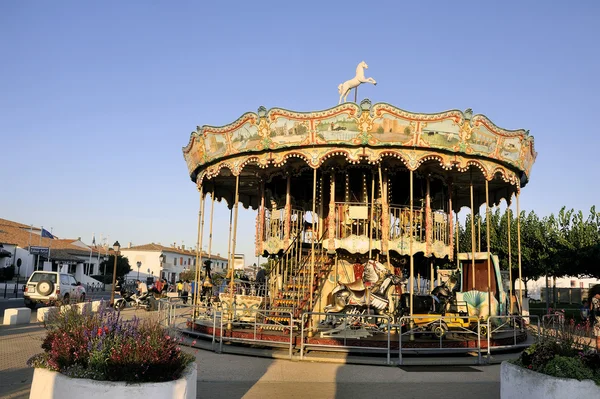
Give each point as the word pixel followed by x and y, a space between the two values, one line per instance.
pixel 371 350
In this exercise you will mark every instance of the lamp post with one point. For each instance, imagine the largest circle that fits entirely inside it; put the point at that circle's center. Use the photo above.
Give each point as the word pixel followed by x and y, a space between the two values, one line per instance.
pixel 139 264
pixel 116 247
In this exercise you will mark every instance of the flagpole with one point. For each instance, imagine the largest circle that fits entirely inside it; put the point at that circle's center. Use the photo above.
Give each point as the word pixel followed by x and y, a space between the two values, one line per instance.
pixel 37 266
pixel 50 247
pixel 90 264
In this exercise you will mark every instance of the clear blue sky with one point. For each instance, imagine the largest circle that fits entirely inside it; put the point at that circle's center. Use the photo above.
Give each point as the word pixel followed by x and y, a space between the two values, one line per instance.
pixel 98 98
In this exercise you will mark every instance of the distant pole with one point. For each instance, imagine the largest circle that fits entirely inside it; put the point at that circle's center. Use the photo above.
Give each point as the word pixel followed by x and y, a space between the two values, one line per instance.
pixel 356 94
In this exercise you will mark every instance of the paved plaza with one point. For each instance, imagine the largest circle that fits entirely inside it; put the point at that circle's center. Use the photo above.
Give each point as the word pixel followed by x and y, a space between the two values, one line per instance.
pixel 233 376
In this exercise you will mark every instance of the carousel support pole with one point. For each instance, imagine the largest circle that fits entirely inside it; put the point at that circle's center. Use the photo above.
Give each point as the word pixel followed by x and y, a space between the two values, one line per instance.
pixel 320 227
pixel 198 250
pixel 410 248
pixel 233 240
pixel 261 220
pixel 457 242
pixel 385 217
pixel 509 258
pixel 372 222
pixel 472 238
pixel 432 276
pixel 428 218
pixel 489 254
pixel 332 217
pixel 312 250
pixel 288 212
pixel 479 232
pixel 199 265
pixel 212 212
pixel 519 251
pixel 451 222
pixel 230 268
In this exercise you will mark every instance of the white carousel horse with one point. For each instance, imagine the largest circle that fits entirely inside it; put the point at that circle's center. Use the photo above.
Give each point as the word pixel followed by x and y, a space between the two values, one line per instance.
pixel 355 294
pixel 348 85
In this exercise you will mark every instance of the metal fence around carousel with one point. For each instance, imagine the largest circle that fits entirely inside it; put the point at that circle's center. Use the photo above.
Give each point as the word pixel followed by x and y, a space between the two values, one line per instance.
pixel 182 316
pixel 357 321
pixel 255 319
pixel 415 330
pixel 503 327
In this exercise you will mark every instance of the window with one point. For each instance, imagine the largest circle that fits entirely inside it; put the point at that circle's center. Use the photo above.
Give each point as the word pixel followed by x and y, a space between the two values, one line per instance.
pixel 37 277
pixel 181 261
pixel 72 280
pixel 64 279
pixel 175 261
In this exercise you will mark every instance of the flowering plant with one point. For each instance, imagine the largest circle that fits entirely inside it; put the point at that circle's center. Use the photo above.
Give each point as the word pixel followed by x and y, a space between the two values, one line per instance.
pixel 562 352
pixel 103 346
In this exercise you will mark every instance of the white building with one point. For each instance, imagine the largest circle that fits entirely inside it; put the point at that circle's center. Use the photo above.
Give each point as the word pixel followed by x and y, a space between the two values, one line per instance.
pixel 32 248
pixel 156 260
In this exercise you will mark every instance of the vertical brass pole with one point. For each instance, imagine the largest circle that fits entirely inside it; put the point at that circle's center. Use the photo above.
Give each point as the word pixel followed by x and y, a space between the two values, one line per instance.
pixel 229 263
pixel 385 214
pixel 199 248
pixel 312 252
pixel 210 235
pixel 472 238
pixel 428 218
pixel 333 217
pixel 432 276
pixel 261 220
pixel 519 250
pixel 321 218
pixel 233 238
pixel 509 257
pixel 451 222
pixel 410 246
pixel 312 241
pixel 371 222
pixel 288 212
pixel 489 254
pixel 479 232
pixel 457 242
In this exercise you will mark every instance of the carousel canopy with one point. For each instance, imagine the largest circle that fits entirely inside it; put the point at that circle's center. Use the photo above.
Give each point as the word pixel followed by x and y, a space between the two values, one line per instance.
pixel 455 146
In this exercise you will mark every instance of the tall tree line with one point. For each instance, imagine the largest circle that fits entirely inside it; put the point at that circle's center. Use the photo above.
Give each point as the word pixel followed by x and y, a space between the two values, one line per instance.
pixel 566 244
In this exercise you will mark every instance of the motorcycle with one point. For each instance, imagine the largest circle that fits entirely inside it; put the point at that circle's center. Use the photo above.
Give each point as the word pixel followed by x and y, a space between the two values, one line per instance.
pixel 131 299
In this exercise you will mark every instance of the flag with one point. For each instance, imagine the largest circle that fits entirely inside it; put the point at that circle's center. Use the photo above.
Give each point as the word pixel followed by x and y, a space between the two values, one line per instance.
pixel 94 239
pixel 46 234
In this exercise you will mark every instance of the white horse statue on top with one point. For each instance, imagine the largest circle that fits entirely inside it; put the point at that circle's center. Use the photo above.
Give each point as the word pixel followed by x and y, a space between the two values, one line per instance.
pixel 348 85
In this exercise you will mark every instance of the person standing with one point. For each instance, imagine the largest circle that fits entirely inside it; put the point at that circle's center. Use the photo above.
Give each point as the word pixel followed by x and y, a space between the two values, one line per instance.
pixel 185 289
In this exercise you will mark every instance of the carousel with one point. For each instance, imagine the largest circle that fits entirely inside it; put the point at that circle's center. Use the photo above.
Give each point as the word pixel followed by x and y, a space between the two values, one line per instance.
pixel 357 211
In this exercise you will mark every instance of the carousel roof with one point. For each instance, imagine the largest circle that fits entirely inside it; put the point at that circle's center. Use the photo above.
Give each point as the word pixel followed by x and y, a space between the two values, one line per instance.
pixel 451 142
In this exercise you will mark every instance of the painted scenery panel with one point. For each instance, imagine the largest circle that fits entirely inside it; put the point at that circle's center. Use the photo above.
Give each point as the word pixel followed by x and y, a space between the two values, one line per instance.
pixel 245 138
pixel 483 141
pixel 441 134
pixel 215 145
pixel 337 129
pixel 286 132
pixel 511 148
pixel 391 129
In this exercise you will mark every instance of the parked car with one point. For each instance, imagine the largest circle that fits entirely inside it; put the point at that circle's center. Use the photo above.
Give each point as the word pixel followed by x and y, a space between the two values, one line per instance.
pixel 51 287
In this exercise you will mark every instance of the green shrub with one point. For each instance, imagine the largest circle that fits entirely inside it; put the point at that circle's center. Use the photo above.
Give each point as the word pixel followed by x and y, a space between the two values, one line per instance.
pixel 568 367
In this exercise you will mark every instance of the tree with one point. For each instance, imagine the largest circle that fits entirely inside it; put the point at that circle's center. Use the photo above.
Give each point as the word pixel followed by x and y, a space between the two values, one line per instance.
pixel 123 267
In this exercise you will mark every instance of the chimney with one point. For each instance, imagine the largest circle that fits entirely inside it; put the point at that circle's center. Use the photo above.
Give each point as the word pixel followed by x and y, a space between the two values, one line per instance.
pixel 183 247
pixel 129 246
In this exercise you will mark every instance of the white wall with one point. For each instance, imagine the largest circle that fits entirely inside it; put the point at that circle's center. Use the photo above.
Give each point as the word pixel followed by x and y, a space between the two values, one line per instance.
pixel 534 288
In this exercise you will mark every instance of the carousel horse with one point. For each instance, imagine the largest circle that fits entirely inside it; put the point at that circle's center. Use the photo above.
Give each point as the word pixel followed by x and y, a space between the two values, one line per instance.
pixel 348 85
pixel 371 291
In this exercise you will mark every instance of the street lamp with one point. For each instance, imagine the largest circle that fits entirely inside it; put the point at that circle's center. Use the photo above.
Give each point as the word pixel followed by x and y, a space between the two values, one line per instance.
pixel 139 264
pixel 116 247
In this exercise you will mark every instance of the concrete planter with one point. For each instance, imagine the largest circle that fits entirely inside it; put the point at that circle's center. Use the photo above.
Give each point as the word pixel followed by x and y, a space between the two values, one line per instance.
pixel 519 382
pixel 48 384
